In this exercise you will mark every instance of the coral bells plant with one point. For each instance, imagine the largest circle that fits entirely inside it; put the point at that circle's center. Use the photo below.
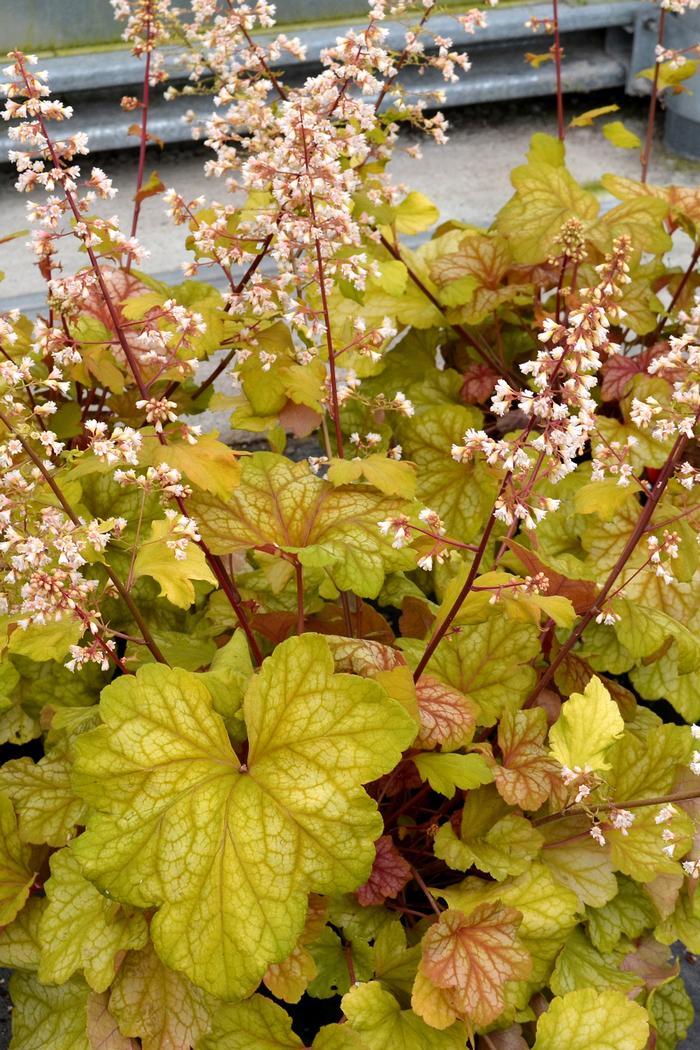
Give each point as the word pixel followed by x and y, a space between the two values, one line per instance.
pixel 392 744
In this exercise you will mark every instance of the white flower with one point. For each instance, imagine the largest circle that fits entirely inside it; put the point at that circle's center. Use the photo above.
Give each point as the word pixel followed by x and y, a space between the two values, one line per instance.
pixel 597 834
pixel 622 819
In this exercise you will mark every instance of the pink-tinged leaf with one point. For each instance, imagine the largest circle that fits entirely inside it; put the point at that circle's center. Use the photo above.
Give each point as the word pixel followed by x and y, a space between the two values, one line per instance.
pixel 651 961
pixel 510 1038
pixel 363 656
pixel 102 1029
pixel 416 619
pixel 390 873
pixel 581 593
pixel 289 979
pixel 478 382
pixel 470 958
pixel 299 419
pixel 619 370
pixel 664 891
pixel 447 717
pixel 121 287
pixel 528 776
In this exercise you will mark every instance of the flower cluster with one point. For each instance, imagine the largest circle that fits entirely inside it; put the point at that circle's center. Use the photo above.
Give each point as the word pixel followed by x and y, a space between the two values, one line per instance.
pixel 680 367
pixel 147 26
pixel 560 410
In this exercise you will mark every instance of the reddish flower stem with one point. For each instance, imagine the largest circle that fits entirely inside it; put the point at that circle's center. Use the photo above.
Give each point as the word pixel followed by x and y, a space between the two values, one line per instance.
pixel 70 513
pixel 226 584
pixel 428 895
pixel 640 528
pixel 483 353
pixel 690 270
pixel 605 807
pixel 143 142
pixel 649 138
pixel 439 634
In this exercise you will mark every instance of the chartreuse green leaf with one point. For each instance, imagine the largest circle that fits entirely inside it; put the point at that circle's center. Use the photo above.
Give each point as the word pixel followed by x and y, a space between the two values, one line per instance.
pixel 628 914
pixel 640 854
pixel 642 221
pixel 16 874
pixel 260 1024
pixel 587 726
pixel 662 679
pixel 48 641
pixel 605 540
pixel 643 768
pixel 257 1022
pixel 584 120
pixel 19 941
pixel 380 1022
pixel 546 148
pixel 338 1037
pixel 329 954
pixel 593 1018
pixel 681 921
pixel 671 1013
pixel 82 929
pixel 195 822
pixel 47 807
pixel 492 838
pixel 33 686
pixel 620 136
pixel 488 662
pixel 644 631
pixel 462 494
pixel 546 196
pixel 46 1016
pixel 175 575
pixel 392 278
pixel 392 477
pixel 395 964
pixel 155 1004
pixel 669 74
pixel 579 863
pixel 280 504
pixel 447 772
pixel 227 678
pixel 208 464
pixel 580 965
pixel 415 214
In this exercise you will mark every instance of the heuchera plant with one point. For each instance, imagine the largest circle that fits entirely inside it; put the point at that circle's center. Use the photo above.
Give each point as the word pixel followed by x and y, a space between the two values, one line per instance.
pixel 397 731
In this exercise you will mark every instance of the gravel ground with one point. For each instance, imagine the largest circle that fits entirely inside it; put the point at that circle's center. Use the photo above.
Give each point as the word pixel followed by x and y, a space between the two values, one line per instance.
pixel 467 179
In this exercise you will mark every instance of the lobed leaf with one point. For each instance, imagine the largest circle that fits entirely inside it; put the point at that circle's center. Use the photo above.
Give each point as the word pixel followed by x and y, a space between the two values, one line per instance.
pixel 593 1018
pixel 190 825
